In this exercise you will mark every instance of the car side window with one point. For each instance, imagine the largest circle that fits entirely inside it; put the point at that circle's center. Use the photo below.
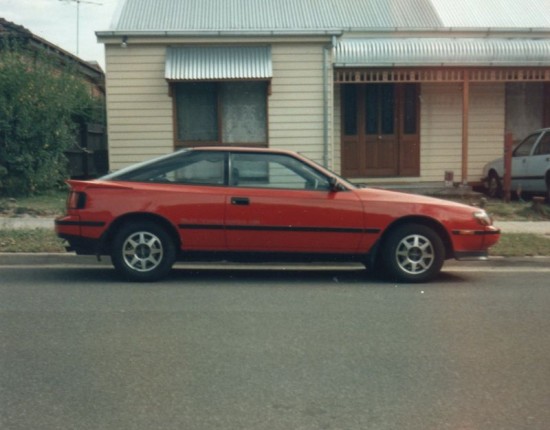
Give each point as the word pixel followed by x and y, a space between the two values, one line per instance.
pixel 543 147
pixel 201 168
pixel 259 170
pixel 205 169
pixel 525 147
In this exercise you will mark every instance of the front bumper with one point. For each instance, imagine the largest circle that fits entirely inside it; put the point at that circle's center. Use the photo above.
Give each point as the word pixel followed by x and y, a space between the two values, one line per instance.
pixel 474 244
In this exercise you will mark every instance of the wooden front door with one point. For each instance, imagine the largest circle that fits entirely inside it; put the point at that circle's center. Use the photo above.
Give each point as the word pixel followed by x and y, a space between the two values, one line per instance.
pixel 380 130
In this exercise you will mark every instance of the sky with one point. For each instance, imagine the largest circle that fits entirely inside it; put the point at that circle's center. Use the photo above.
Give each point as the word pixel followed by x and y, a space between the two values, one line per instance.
pixel 56 21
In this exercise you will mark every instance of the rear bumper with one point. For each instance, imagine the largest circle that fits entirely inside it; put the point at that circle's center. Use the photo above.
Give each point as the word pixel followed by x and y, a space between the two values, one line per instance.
pixel 70 228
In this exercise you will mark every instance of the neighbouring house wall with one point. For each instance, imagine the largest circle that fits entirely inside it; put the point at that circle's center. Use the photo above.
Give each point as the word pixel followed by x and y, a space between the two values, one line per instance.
pixel 138 104
pixel 524 108
pixel 486 126
pixel 441 129
pixel 296 104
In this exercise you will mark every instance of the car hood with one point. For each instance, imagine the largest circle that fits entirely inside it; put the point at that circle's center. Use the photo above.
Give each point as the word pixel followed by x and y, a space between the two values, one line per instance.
pixel 401 204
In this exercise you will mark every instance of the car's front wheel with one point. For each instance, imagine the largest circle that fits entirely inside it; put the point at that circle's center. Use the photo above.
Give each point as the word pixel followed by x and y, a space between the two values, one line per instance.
pixel 143 251
pixel 413 253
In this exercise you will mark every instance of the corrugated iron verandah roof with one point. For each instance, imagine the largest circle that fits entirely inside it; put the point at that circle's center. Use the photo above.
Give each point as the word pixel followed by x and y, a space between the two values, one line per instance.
pixel 442 60
pixel 442 52
pixel 194 63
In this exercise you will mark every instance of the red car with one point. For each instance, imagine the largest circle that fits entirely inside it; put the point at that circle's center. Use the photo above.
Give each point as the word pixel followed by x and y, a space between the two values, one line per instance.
pixel 244 204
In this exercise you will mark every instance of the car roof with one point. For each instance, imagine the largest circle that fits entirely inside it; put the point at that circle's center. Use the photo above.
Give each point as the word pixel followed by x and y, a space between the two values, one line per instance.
pixel 242 149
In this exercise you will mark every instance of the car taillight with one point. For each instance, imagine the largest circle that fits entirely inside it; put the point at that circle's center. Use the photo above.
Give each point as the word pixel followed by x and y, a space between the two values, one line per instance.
pixel 76 200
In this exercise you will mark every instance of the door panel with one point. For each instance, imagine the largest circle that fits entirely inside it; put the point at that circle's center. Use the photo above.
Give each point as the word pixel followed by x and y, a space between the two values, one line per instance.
pixel 380 137
pixel 294 221
pixel 380 130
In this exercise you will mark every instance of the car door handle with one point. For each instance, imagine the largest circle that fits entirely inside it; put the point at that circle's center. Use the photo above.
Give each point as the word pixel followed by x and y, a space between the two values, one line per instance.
pixel 240 201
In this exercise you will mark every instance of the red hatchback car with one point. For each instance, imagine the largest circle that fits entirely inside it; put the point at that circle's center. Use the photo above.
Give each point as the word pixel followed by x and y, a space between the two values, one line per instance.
pixel 243 204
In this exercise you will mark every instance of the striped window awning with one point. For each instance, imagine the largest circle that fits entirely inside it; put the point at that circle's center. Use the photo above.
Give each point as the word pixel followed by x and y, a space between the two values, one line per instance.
pixel 201 63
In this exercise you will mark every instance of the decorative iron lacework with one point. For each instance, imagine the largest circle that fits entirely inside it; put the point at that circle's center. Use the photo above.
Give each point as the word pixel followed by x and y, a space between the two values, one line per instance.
pixel 372 76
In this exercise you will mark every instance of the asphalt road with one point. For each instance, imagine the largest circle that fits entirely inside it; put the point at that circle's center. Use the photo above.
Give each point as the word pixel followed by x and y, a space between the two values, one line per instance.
pixel 228 348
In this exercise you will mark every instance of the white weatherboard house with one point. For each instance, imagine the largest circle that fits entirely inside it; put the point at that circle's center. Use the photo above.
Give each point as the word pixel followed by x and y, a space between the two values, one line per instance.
pixel 378 90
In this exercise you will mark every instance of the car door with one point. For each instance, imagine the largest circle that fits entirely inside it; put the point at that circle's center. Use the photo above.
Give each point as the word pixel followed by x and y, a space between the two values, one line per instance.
pixel 521 179
pixel 538 164
pixel 278 203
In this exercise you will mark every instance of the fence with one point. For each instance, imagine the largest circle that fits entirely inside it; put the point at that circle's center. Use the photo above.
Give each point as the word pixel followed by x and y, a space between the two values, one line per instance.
pixel 89 157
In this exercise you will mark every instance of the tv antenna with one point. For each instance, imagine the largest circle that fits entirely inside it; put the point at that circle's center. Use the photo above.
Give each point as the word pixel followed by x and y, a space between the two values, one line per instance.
pixel 78 18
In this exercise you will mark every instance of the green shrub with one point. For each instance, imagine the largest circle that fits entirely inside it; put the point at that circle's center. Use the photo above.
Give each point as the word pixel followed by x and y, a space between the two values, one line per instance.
pixel 41 104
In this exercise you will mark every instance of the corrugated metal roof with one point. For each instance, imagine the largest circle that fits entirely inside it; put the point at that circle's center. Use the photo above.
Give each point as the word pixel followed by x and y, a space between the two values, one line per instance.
pixel 493 13
pixel 287 16
pixel 442 51
pixel 218 62
pixel 271 15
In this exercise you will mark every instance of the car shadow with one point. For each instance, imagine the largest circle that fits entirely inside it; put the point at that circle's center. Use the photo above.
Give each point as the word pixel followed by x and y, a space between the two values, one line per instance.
pixel 311 276
pixel 243 274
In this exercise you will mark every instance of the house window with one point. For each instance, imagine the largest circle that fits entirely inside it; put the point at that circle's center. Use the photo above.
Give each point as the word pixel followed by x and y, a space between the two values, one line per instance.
pixel 221 113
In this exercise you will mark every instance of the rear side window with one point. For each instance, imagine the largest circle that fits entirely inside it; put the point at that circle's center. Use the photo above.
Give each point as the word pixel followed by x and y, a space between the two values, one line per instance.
pixel 201 168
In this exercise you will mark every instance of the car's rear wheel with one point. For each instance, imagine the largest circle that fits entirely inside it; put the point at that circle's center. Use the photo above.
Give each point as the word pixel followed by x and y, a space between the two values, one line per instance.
pixel 143 251
pixel 413 253
pixel 494 186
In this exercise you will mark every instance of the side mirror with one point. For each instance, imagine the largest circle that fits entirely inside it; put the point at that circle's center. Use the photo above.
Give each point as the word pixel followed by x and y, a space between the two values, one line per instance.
pixel 334 185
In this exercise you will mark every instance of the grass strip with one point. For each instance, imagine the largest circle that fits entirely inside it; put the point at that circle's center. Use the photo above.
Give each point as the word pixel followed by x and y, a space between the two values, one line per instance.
pixel 27 240
pixel 521 245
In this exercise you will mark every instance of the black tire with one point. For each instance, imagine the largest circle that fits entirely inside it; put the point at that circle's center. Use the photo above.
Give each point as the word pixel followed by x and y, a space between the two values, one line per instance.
pixel 412 253
pixel 494 185
pixel 143 252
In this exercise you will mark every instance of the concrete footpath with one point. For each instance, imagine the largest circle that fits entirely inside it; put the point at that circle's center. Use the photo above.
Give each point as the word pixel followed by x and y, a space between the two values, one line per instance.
pixel 535 227
pixel 20 223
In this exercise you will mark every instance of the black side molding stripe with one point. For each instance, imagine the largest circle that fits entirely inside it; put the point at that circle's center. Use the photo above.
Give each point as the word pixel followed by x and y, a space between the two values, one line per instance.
pixel 474 232
pixel 81 223
pixel 201 226
pixel 280 228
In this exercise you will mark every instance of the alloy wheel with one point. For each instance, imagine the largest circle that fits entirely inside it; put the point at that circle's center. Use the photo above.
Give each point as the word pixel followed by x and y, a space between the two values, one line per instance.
pixel 142 251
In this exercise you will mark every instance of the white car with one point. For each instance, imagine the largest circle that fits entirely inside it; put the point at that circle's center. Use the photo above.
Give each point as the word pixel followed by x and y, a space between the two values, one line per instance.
pixel 530 167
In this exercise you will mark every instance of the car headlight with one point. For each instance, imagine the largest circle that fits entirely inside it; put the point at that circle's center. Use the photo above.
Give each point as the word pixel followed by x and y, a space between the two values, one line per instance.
pixel 483 217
